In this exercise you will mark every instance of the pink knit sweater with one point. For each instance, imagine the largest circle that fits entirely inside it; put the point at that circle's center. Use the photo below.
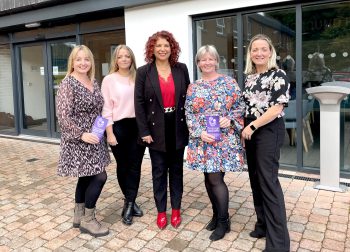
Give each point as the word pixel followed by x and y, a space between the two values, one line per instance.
pixel 118 94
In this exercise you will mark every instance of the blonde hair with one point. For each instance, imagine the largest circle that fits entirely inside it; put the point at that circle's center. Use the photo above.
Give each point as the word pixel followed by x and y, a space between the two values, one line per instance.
pixel 72 57
pixel 212 52
pixel 250 66
pixel 114 66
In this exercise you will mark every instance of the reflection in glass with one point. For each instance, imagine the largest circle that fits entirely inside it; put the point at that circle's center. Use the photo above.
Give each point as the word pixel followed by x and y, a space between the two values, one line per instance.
pixel 326 36
pixel 7 118
pixel 102 45
pixel 221 32
pixel 280 27
pixel 33 85
pixel 59 58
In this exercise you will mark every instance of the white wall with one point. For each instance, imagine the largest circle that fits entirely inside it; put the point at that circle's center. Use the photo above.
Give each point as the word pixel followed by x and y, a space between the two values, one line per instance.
pixel 174 16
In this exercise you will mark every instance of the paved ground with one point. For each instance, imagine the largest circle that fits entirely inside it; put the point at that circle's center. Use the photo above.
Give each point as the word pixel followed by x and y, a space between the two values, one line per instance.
pixel 36 209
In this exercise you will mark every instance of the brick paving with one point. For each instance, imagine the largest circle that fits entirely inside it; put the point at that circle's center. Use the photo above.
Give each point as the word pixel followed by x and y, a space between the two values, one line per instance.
pixel 36 209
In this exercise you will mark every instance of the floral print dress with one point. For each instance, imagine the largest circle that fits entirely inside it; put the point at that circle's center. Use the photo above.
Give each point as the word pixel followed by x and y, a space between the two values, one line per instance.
pixel 77 109
pixel 220 96
pixel 265 90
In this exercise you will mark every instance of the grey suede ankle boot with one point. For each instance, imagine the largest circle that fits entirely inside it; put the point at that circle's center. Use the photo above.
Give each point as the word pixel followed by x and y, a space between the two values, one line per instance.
pixel 90 225
pixel 79 211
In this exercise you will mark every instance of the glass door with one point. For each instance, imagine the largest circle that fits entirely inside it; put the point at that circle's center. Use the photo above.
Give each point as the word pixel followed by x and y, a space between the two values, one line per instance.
pixel 42 67
pixel 58 53
pixel 34 90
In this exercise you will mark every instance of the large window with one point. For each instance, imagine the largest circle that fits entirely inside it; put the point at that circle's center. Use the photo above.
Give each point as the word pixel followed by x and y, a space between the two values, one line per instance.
pixel 221 32
pixel 7 115
pixel 102 45
pixel 325 60
pixel 280 27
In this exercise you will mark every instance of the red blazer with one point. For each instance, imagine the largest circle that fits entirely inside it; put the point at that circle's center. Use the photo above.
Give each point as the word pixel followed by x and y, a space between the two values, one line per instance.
pixel 149 109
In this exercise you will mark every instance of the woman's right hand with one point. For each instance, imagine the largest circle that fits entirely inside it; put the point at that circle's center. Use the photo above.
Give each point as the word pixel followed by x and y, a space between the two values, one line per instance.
pixel 207 137
pixel 112 140
pixel 90 138
pixel 147 139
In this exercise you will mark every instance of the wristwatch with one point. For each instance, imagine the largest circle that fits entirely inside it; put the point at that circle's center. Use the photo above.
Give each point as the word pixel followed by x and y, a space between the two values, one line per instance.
pixel 252 127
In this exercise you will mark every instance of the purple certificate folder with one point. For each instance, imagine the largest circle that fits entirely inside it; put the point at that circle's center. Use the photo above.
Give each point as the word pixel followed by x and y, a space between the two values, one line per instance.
pixel 213 126
pixel 99 126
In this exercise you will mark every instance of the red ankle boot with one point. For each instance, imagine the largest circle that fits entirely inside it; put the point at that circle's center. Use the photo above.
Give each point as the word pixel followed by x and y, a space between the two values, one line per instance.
pixel 175 218
pixel 161 220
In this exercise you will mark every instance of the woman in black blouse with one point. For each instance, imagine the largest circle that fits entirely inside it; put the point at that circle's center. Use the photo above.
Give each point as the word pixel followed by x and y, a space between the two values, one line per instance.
pixel 266 93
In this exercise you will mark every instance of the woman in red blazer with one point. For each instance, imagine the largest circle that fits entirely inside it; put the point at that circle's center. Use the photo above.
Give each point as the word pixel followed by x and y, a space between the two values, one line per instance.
pixel 160 94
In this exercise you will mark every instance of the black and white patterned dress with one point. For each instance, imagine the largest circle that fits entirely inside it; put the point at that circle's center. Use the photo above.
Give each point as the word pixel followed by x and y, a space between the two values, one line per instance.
pixel 77 108
pixel 265 90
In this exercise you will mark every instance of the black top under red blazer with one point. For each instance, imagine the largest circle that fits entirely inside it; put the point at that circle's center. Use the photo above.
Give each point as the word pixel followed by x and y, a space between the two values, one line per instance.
pixel 149 109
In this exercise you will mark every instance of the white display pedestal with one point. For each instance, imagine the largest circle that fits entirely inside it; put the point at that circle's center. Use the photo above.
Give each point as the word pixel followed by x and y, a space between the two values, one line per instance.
pixel 329 98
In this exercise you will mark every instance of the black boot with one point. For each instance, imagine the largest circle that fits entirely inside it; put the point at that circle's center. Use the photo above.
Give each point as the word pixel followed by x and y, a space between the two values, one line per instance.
pixel 222 227
pixel 137 211
pixel 124 207
pixel 212 223
pixel 127 215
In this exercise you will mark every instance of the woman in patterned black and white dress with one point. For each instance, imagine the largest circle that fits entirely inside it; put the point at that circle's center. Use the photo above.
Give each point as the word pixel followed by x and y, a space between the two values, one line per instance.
pixel 266 93
pixel 82 154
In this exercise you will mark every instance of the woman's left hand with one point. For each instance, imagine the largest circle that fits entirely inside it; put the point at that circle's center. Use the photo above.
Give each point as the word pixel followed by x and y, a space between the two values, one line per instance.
pixel 225 122
pixel 247 133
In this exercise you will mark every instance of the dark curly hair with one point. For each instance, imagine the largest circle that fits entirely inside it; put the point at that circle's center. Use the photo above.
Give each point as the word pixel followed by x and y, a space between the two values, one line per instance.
pixel 174 46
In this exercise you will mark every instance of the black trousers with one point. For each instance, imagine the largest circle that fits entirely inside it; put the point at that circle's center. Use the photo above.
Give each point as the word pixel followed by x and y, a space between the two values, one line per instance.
pixel 263 153
pixel 170 162
pixel 128 155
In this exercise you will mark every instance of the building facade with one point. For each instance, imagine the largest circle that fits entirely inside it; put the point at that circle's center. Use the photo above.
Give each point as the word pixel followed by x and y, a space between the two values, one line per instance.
pixel 311 39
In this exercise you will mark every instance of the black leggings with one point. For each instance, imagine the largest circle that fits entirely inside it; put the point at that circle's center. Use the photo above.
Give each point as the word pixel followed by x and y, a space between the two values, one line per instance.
pixel 89 189
pixel 218 193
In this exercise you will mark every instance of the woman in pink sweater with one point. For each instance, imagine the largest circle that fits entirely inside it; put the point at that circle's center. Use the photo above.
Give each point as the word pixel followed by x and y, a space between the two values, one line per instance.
pixel 118 93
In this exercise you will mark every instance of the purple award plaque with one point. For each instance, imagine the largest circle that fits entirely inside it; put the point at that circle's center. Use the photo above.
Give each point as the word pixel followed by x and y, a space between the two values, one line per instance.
pixel 213 126
pixel 99 126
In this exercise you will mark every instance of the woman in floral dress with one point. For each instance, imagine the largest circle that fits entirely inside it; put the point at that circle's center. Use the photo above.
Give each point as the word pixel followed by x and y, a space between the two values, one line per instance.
pixel 214 94
pixel 82 154
pixel 266 93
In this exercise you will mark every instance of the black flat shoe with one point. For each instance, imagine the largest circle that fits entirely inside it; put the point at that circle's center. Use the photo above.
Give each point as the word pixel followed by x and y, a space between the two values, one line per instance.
pixel 256 234
pixel 137 211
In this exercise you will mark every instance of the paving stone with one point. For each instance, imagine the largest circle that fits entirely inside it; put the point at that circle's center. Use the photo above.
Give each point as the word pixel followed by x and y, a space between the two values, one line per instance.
pixel 242 244
pixel 310 245
pixel 199 244
pixel 334 245
pixel 156 244
pixel 177 244
pixel 94 244
pixel 313 235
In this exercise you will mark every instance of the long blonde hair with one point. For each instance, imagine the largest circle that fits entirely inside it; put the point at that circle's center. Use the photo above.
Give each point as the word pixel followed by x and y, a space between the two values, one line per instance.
pixel 114 66
pixel 250 66
pixel 73 55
